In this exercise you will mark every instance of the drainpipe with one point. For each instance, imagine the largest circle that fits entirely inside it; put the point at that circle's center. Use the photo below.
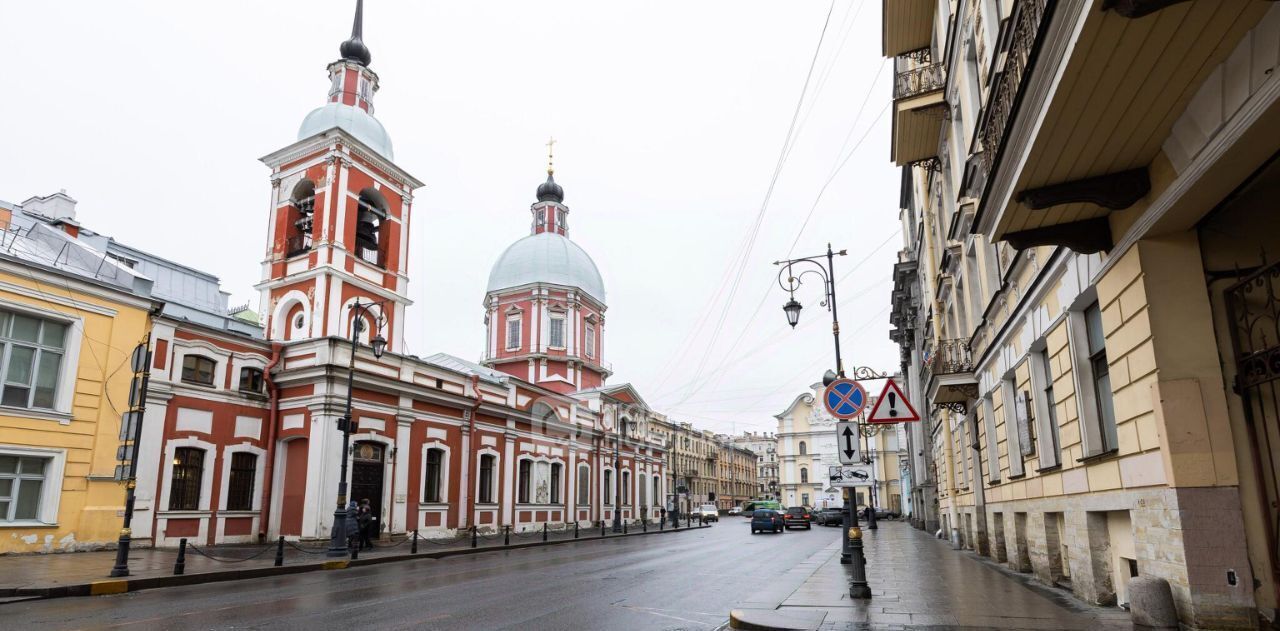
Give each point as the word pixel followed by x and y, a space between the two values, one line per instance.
pixel 471 451
pixel 273 411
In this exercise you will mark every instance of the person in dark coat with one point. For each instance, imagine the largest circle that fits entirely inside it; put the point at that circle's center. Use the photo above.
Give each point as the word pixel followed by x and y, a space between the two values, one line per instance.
pixel 365 519
pixel 353 524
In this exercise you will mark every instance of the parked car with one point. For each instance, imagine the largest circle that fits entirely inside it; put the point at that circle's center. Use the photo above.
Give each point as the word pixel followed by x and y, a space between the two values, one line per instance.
pixel 829 517
pixel 736 510
pixel 880 513
pixel 767 519
pixel 797 516
pixel 707 512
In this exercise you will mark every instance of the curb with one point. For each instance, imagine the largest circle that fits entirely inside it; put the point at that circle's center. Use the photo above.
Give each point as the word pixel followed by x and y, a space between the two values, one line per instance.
pixel 120 586
pixel 774 620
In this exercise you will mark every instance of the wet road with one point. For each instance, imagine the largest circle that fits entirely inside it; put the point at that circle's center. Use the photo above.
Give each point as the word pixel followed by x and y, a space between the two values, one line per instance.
pixel 678 581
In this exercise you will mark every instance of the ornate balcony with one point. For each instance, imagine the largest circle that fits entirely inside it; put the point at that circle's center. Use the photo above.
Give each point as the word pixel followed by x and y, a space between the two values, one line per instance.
pixel 919 107
pixel 948 371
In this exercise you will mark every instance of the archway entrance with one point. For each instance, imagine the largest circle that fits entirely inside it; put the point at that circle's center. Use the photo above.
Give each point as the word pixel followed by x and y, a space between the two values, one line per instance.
pixel 366 477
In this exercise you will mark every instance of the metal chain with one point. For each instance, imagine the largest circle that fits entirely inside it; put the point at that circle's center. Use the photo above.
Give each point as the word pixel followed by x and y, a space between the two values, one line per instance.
pixel 206 555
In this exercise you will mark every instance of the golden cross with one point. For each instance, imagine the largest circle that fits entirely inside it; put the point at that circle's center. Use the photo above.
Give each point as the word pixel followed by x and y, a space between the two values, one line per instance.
pixel 551 143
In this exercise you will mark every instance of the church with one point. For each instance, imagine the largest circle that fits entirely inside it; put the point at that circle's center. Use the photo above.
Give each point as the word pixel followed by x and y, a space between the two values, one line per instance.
pixel 241 438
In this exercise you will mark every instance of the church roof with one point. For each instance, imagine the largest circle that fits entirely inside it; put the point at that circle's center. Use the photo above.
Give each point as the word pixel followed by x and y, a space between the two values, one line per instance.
pixel 547 257
pixel 351 119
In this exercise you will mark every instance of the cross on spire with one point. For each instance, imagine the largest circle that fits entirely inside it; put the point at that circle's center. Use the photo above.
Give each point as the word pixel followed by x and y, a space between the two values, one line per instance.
pixel 551 144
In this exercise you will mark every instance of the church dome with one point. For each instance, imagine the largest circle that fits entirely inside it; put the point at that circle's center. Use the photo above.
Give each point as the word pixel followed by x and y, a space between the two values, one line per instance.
pixel 352 120
pixel 547 257
pixel 549 191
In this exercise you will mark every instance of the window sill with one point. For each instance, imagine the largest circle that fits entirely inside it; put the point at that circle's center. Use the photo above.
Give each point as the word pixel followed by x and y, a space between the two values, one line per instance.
pixel 538 506
pixel 198 384
pixel 486 505
pixel 238 513
pixel 1018 477
pixel 993 482
pixel 435 505
pixel 63 418
pixel 183 514
pixel 252 394
pixel 27 524
pixel 1099 457
pixel 1049 469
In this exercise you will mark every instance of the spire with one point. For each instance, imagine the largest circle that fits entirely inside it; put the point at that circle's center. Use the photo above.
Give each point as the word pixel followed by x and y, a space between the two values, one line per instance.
pixel 551 145
pixel 354 49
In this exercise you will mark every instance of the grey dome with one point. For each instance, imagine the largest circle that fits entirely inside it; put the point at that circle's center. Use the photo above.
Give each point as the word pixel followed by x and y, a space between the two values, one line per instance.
pixel 547 258
pixel 352 120
pixel 549 191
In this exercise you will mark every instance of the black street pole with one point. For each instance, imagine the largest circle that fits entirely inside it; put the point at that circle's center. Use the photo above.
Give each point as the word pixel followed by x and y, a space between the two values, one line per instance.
pixel 121 568
pixel 617 472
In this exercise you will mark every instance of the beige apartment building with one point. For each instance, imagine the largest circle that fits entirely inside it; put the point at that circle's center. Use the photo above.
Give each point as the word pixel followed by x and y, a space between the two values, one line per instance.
pixel 765 447
pixel 736 472
pixel 1088 297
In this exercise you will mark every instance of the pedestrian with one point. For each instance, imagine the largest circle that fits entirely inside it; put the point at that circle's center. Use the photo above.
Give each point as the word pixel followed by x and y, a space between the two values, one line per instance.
pixel 364 517
pixel 353 524
pixel 663 513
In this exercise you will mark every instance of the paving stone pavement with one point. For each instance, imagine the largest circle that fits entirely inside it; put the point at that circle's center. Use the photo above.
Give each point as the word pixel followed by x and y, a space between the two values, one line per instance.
pixel 919 582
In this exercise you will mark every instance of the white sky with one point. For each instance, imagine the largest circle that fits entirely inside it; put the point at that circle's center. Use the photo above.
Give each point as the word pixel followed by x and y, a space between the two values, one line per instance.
pixel 668 116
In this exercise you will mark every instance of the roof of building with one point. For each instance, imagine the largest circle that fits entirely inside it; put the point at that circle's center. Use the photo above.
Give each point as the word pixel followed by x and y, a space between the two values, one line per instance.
pixel 547 257
pixel 33 241
pixel 351 119
pixel 457 364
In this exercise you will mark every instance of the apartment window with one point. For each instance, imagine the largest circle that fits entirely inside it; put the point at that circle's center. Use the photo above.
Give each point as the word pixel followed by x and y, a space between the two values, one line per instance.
pixel 989 428
pixel 22 481
pixel 188 471
pixel 584 485
pixel 1101 376
pixel 804 475
pixel 513 333
pixel 486 478
pixel 198 369
pixel 557 331
pixel 524 481
pixel 244 468
pixel 626 487
pixel 657 490
pixel 804 499
pixel 608 487
pixel 1042 380
pixel 251 380
pixel 803 449
pixel 556 468
pixel 431 491
pixel 32 350
pixel 589 340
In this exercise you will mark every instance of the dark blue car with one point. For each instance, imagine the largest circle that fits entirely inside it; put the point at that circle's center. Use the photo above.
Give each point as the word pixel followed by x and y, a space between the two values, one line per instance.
pixel 766 519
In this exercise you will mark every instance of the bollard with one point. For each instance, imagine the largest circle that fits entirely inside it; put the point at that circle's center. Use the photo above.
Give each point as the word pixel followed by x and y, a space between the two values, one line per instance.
pixel 601 527
pixel 180 566
pixel 413 547
pixel 544 531
pixel 688 521
pixel 662 525
pixel 506 535
pixel 575 529
pixel 473 536
pixel 280 551
pixel 624 526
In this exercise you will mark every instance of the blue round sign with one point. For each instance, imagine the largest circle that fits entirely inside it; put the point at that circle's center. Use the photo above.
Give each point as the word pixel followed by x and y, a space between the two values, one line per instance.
pixel 844 398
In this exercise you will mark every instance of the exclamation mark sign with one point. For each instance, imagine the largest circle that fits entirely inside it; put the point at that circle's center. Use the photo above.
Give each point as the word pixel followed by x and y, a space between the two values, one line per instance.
pixel 893 404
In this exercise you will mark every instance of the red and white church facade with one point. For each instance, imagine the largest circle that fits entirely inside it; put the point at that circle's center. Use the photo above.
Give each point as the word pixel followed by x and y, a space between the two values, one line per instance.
pixel 240 436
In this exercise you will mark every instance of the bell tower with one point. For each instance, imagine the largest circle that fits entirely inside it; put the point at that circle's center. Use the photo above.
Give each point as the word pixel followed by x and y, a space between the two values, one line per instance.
pixel 339 214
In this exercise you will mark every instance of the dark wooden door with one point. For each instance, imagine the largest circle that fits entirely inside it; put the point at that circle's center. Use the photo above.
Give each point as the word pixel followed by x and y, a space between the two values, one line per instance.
pixel 366 477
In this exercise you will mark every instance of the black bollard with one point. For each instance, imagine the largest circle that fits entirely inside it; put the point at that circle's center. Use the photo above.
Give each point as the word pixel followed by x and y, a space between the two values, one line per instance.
pixel 544 531
pixel 280 551
pixel 575 529
pixel 180 566
pixel 644 525
pixel 601 527
pixel 506 535
pixel 624 526
pixel 662 525
pixel 413 547
pixel 473 536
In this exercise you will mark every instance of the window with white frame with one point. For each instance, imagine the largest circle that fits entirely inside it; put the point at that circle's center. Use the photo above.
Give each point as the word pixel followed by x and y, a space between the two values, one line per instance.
pixel 589 340
pixel 1045 403
pixel 989 428
pixel 626 487
pixel 584 485
pixel 22 485
pixel 198 369
pixel 608 487
pixel 32 359
pixel 244 468
pixel 524 481
pixel 487 464
pixel 556 331
pixel 556 469
pixel 433 487
pixel 1012 442
pixel 1101 376
pixel 188 473
pixel 513 332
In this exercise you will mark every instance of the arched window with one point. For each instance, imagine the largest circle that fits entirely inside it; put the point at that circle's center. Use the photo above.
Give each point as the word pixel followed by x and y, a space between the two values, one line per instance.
pixel 804 475
pixel 584 485
pixel 198 369
pixel 556 468
pixel 524 482
pixel 487 462
pixel 431 488
pixel 251 379
pixel 608 487
pixel 626 488
pixel 303 201
pixel 657 490
pixel 244 467
pixel 803 448
pixel 188 471
pixel 372 212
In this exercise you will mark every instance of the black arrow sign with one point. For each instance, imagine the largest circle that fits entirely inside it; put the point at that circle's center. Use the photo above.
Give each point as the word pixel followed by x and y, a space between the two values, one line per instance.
pixel 849 450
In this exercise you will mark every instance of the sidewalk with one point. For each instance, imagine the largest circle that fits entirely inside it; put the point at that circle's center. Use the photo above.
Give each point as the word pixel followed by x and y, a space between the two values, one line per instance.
pixel 86 573
pixel 919 582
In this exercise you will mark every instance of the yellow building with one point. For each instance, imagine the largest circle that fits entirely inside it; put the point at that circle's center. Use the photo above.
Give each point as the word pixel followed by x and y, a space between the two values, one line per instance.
pixel 69 319
pixel 1088 298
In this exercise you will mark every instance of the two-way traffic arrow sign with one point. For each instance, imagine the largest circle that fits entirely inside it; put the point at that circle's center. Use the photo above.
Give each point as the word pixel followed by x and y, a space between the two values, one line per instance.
pixel 847 440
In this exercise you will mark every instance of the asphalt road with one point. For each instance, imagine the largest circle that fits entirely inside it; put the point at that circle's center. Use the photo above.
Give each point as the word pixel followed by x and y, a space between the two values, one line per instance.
pixel 686 580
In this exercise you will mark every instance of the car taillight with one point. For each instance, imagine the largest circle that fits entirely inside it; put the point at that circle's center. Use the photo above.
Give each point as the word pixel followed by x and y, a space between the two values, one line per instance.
pixel 806 516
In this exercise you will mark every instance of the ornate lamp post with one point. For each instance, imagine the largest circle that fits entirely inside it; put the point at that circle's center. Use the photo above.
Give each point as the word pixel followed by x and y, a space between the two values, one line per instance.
pixel 338 534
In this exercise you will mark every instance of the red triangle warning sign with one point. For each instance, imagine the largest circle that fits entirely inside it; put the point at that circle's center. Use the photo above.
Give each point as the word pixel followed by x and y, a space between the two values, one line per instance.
pixel 892 406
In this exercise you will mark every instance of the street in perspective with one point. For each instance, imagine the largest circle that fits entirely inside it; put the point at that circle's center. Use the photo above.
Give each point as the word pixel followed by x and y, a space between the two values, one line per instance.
pixel 267 369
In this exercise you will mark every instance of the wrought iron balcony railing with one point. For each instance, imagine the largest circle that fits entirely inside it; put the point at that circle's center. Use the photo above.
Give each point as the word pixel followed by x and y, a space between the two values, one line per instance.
pixel 1026 19
pixel 919 80
pixel 948 358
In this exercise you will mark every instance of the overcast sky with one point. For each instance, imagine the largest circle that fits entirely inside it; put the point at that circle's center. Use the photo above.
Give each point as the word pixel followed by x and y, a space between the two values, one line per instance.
pixel 669 119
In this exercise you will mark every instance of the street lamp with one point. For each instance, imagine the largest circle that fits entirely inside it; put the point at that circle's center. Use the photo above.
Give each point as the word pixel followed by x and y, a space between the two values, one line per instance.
pixel 617 474
pixel 792 308
pixel 338 534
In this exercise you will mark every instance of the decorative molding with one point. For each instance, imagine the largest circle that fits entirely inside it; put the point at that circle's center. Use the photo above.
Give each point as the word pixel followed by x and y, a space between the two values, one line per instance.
pixel 1115 191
